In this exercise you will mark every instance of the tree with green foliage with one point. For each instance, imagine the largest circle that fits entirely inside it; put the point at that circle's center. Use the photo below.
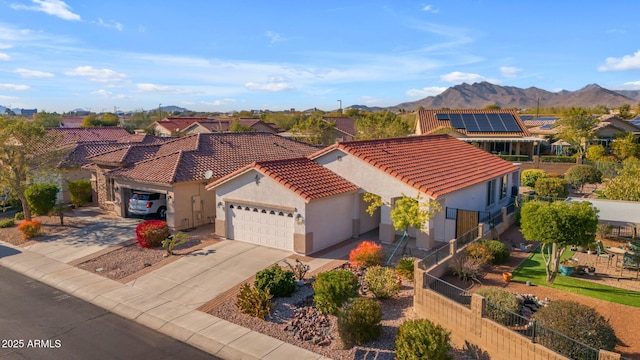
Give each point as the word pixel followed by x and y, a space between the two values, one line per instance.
pixel 25 149
pixel 80 192
pixel 41 197
pixel 237 127
pixel 138 120
pixel 94 120
pixel 577 127
pixel 578 175
pixel 493 106
pixel 314 130
pixel 551 188
pixel 625 146
pixel 557 225
pixel 625 186
pixel 46 119
pixel 530 176
pixel 412 212
pixel 624 112
pixel 380 125
pixel 596 152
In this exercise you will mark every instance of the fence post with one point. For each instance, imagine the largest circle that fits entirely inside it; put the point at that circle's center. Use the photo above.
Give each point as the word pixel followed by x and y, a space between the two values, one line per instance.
pixel 608 355
pixel 453 247
pixel 533 331
pixel 480 230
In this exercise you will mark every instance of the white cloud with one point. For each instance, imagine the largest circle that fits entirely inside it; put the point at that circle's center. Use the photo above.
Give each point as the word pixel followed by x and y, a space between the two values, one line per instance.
pixel 271 86
pixel 5 46
pixel 109 94
pixel 630 85
pixel 509 71
pixel 14 87
pixel 6 97
pixel 165 89
pixel 97 75
pixel 426 91
pixel 274 37
pixel 219 102
pixel 52 7
pixel 4 57
pixel 627 62
pixel 429 8
pixel 33 74
pixel 370 100
pixel 111 24
pixel 458 77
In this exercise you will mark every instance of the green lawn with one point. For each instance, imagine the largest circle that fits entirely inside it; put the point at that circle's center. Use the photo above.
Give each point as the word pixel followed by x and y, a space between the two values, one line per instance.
pixel 533 270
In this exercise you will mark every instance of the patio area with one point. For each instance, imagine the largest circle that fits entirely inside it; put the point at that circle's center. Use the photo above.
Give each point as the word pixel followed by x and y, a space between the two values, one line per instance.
pixel 608 274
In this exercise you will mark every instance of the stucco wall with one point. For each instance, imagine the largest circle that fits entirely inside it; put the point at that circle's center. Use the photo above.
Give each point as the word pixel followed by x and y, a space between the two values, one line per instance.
pixel 191 205
pixel 330 219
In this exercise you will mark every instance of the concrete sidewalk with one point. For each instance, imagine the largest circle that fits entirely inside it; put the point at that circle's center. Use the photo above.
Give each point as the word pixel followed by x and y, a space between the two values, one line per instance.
pixel 165 299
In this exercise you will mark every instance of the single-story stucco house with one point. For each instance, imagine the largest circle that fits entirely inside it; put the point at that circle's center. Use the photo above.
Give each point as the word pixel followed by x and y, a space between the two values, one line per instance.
pixel 179 169
pixel 306 205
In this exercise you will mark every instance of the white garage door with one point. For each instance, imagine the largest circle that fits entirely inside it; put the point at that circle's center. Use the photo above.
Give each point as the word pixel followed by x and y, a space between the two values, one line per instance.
pixel 262 226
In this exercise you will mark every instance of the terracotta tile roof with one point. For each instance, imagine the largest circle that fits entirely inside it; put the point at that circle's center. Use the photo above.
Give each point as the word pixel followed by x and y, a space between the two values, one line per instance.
pixel 143 139
pixel 72 135
pixel 343 124
pixel 224 125
pixel 179 123
pixel 535 123
pixel 80 153
pixel 427 122
pixel 306 178
pixel 188 158
pixel 126 155
pixel 434 164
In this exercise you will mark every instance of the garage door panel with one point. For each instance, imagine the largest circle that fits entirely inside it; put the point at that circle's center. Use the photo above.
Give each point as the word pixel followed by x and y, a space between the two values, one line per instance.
pixel 264 226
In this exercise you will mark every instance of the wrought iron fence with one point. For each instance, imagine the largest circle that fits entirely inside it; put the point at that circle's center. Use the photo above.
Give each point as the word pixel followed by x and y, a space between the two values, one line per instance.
pixel 452 292
pixel 468 237
pixel 511 208
pixel 435 257
pixel 495 220
pixel 541 334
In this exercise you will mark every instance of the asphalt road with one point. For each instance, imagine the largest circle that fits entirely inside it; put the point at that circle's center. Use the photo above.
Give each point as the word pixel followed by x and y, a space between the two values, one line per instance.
pixel 40 322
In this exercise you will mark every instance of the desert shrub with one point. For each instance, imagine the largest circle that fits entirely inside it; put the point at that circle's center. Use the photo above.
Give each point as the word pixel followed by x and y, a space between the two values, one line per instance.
pixel 405 268
pixel 465 268
pixel 254 302
pixel 151 233
pixel 18 216
pixel 79 192
pixel 422 339
pixel 6 223
pixel 551 187
pixel 383 281
pixel 299 269
pixel 578 175
pixel 367 253
pixel 41 198
pixel 501 298
pixel 576 321
pixel 499 251
pixel 280 283
pixel 30 229
pixel 359 322
pixel 480 252
pixel 530 176
pixel 333 288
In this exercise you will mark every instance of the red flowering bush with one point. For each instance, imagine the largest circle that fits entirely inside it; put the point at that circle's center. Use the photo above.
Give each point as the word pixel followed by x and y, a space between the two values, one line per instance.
pixel 366 254
pixel 151 233
pixel 30 229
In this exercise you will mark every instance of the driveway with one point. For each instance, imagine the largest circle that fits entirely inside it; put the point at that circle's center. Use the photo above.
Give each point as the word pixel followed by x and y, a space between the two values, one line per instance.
pixel 203 275
pixel 102 232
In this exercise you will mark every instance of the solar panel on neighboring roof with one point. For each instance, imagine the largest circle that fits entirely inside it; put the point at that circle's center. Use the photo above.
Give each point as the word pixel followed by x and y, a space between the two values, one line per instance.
pixel 456 121
pixel 483 122
pixel 510 123
pixel 442 116
pixel 546 126
pixel 635 122
pixel 526 117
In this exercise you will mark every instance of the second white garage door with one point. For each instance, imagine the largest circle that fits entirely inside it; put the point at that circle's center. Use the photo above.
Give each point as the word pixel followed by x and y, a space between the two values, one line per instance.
pixel 262 226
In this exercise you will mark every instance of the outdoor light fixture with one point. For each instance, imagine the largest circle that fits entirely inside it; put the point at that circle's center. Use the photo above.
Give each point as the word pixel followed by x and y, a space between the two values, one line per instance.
pixel 257 179
pixel 299 219
pixel 220 204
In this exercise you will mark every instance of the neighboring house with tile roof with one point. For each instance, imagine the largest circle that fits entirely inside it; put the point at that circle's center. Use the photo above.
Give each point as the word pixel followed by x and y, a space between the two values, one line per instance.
pixel 463 179
pixel 225 125
pixel 345 127
pixel 181 167
pixel 75 146
pixel 173 125
pixel 495 131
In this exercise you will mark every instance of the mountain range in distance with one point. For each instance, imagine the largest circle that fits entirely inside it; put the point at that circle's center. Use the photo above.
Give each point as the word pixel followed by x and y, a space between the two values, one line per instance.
pixel 481 94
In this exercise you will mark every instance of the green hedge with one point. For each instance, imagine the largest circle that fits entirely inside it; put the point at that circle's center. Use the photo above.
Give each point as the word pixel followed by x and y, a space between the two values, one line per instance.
pixel 514 157
pixel 558 159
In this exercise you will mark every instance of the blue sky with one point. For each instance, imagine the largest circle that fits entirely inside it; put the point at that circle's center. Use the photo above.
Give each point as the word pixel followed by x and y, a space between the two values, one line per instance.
pixel 232 55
